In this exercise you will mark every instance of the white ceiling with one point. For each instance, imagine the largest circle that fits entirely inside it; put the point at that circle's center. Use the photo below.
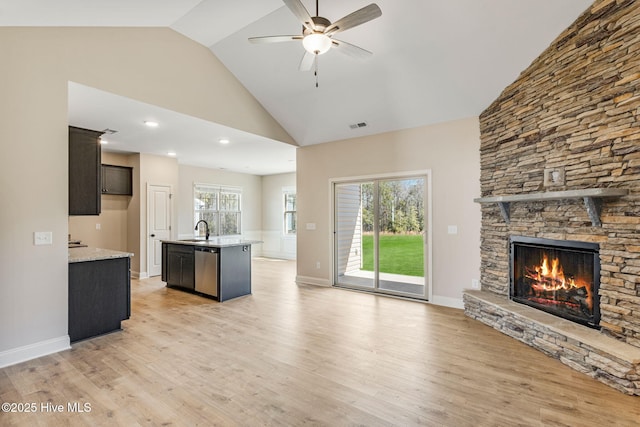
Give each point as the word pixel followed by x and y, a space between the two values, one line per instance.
pixel 433 60
pixel 194 141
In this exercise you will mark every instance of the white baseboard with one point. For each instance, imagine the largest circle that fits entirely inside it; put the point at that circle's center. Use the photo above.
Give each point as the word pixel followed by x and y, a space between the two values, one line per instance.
pixel 306 280
pixel 139 275
pixel 447 302
pixel 278 255
pixel 32 351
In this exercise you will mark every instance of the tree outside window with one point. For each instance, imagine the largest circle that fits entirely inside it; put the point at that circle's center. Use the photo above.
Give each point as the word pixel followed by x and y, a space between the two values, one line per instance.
pixel 220 207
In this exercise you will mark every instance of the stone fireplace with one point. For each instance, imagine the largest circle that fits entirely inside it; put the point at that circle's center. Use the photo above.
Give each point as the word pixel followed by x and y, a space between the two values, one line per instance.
pixel 560 161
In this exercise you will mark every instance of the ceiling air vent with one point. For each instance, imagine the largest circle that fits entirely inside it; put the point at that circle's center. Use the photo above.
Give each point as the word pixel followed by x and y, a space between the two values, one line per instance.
pixel 108 131
pixel 358 125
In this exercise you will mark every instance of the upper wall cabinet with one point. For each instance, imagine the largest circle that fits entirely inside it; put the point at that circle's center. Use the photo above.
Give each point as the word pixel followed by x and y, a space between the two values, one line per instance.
pixel 117 180
pixel 84 171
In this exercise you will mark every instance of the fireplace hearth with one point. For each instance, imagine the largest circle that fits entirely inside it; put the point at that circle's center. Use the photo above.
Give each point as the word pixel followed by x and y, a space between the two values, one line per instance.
pixel 560 277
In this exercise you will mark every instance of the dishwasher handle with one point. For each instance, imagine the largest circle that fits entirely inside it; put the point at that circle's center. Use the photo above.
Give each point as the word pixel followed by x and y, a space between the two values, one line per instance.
pixel 210 250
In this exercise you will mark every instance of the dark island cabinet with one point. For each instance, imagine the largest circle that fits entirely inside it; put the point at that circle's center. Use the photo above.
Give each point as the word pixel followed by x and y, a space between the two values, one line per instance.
pixel 84 171
pixel 234 272
pixel 99 297
pixel 117 180
pixel 178 266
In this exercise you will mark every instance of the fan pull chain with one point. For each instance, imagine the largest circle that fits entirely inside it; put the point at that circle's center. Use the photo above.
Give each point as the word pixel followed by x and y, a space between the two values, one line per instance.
pixel 315 73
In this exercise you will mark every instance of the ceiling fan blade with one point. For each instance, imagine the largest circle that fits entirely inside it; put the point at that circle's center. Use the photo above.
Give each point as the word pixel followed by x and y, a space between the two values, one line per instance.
pixel 307 61
pixel 273 39
pixel 354 19
pixel 350 49
pixel 297 8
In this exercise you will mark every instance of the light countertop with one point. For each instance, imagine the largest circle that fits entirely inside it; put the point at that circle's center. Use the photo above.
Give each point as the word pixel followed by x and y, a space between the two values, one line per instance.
pixel 215 242
pixel 94 254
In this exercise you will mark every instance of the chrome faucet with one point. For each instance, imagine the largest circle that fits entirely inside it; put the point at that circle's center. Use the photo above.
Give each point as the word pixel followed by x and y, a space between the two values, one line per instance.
pixel 206 225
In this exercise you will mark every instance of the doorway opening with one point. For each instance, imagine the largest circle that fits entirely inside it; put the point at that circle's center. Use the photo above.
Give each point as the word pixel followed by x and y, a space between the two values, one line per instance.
pixel 381 235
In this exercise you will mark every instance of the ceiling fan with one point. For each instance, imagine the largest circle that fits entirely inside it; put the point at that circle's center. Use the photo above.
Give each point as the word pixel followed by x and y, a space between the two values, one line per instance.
pixel 317 32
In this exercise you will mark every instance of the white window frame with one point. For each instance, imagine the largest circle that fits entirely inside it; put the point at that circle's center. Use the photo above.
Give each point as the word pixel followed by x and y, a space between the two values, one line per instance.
pixel 215 226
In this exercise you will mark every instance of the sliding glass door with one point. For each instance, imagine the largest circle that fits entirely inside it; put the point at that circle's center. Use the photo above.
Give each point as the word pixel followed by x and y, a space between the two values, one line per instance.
pixel 379 230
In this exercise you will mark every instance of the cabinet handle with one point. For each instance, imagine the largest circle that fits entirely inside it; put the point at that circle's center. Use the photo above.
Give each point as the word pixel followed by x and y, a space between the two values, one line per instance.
pixel 153 235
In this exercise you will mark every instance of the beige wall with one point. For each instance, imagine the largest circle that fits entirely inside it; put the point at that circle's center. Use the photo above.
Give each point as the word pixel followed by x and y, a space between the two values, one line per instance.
pixel 152 65
pixel 276 244
pixel 112 219
pixel 449 150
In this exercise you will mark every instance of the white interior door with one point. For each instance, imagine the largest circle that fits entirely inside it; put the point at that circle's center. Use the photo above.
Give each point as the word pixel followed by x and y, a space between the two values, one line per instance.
pixel 159 225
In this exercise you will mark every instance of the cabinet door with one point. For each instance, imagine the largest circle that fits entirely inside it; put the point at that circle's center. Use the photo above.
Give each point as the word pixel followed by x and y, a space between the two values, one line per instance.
pixel 84 171
pixel 117 180
pixel 174 268
pixel 188 279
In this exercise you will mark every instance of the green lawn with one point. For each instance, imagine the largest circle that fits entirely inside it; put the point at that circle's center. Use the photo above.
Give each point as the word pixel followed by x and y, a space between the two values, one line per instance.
pixel 399 254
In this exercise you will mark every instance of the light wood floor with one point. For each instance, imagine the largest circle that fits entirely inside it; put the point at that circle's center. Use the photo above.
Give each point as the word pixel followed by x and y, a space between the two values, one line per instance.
pixel 301 355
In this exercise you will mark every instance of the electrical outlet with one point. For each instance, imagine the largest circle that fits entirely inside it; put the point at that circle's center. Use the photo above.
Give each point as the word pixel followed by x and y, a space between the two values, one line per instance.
pixel 475 284
pixel 42 238
pixel 318 265
pixel 311 226
pixel 452 229
pixel 98 226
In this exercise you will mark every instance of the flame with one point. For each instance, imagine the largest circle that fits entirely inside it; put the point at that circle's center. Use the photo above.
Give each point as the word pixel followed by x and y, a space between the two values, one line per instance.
pixel 551 279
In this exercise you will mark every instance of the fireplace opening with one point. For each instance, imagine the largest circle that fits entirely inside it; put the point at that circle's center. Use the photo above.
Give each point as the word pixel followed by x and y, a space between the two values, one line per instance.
pixel 561 277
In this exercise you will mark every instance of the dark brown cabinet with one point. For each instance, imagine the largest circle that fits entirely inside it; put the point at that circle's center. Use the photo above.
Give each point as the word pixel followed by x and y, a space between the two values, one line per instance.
pixel 117 180
pixel 99 297
pixel 84 171
pixel 178 266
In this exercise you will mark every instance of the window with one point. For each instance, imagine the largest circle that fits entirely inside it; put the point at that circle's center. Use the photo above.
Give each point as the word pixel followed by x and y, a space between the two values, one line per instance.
pixel 220 207
pixel 289 211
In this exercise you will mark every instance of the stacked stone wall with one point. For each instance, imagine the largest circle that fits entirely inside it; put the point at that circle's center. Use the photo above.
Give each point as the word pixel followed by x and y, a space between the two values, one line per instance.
pixel 575 109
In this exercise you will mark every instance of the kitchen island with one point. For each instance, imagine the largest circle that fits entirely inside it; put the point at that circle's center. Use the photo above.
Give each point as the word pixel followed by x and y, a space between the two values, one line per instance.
pixel 219 268
pixel 99 291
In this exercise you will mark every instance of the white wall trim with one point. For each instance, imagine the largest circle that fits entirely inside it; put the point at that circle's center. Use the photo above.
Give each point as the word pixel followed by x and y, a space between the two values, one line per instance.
pixel 35 350
pixel 447 302
pixel 139 275
pixel 306 280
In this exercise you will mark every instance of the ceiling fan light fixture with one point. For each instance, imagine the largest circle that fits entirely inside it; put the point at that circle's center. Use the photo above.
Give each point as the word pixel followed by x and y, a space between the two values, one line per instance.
pixel 316 43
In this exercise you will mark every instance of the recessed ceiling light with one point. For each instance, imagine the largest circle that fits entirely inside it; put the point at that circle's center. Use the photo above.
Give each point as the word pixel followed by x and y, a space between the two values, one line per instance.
pixel 151 124
pixel 171 153
pixel 224 141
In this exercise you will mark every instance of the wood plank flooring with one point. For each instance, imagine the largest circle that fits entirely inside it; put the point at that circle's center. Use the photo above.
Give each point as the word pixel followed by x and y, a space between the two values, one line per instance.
pixel 301 355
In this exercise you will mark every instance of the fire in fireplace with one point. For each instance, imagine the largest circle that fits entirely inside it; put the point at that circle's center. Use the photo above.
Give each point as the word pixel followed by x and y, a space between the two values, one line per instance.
pixel 558 276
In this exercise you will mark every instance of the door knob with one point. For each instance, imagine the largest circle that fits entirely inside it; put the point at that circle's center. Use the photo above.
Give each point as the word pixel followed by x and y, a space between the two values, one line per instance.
pixel 153 235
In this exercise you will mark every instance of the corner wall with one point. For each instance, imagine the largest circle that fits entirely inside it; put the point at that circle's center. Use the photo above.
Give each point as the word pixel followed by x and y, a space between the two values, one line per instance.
pixel 276 244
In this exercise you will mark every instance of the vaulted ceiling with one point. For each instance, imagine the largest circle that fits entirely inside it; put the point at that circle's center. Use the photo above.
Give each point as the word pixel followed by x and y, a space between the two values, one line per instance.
pixel 433 60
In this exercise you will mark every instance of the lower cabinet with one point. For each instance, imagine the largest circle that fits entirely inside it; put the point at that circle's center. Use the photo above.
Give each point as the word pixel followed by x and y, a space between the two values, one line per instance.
pixel 178 266
pixel 99 296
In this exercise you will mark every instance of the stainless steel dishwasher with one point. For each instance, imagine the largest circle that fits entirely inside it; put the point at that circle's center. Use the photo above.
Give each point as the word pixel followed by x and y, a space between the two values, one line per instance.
pixel 207 270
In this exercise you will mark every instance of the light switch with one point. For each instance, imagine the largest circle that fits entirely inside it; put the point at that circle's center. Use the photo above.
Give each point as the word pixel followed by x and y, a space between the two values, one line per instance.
pixel 311 226
pixel 42 238
pixel 452 229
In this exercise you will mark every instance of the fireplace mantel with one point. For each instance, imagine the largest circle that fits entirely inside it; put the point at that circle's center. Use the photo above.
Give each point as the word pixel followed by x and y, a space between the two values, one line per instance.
pixel 592 198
